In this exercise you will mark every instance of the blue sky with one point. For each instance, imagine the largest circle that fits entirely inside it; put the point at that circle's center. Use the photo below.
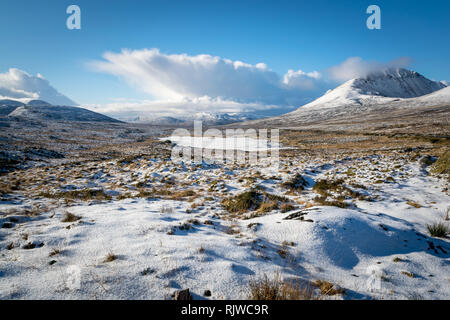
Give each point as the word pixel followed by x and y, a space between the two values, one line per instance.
pixel 284 35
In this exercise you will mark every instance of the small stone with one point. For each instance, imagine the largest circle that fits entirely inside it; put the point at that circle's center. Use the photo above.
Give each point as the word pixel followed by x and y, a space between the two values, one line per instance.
pixel 207 293
pixel 29 246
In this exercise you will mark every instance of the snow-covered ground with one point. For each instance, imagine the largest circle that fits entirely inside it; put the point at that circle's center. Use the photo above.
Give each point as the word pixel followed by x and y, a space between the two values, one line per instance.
pixel 377 247
pixel 241 143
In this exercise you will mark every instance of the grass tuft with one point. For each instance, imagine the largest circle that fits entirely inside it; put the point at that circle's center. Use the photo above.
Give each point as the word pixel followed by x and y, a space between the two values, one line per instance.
pixel 85 194
pixel 110 257
pixel 327 288
pixel 242 203
pixel 442 165
pixel 265 288
pixel 297 183
pixel 438 229
pixel 414 204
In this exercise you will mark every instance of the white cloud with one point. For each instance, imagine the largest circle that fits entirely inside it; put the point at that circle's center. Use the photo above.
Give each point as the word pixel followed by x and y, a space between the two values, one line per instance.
pixel 355 67
pixel 130 110
pixel 302 80
pixel 19 85
pixel 179 76
pixel 183 84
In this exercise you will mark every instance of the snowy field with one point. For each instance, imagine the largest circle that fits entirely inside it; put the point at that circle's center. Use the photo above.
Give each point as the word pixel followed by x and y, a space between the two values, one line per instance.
pixel 143 228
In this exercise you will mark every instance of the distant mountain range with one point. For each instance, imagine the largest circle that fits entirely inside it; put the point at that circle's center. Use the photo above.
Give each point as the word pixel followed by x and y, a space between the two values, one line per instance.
pixel 391 88
pixel 207 118
pixel 38 110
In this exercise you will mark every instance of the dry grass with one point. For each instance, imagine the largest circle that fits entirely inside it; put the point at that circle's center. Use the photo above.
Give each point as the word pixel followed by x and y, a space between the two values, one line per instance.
pixel 442 165
pixel 296 183
pixel 243 202
pixel 85 194
pixel 438 229
pixel 265 288
pixel 268 206
pixel 323 200
pixel 182 195
pixel 54 252
pixel 309 205
pixel 232 229
pixel 414 204
pixel 283 251
pixel 408 274
pixel 327 288
pixel 110 257
pixel 253 200
pixel 323 186
pixel 286 207
pixel 33 212
pixel 334 192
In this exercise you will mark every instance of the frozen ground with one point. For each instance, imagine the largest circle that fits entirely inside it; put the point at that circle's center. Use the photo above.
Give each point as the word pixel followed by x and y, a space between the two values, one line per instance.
pixel 165 228
pixel 235 142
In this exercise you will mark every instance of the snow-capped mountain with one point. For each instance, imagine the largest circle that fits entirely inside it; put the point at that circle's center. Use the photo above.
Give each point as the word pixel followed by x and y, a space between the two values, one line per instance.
pixel 11 103
pixel 381 87
pixel 158 121
pixel 38 110
pixel 220 118
pixel 208 118
pixel 382 93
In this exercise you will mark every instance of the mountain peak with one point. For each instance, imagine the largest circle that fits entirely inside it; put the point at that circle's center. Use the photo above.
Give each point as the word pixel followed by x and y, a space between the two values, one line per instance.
pixel 377 87
pixel 393 73
pixel 38 103
pixel 396 83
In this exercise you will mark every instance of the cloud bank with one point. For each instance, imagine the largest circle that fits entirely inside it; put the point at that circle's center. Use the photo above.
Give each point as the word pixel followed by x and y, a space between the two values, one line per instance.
pixel 179 76
pixel 135 110
pixel 356 67
pixel 19 85
pixel 180 83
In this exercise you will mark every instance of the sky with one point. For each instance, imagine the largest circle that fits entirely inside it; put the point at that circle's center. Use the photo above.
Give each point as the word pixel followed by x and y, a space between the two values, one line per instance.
pixel 212 55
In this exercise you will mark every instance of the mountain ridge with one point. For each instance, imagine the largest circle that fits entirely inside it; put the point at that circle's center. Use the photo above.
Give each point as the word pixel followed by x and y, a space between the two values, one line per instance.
pixel 39 110
pixel 376 88
pixel 345 107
